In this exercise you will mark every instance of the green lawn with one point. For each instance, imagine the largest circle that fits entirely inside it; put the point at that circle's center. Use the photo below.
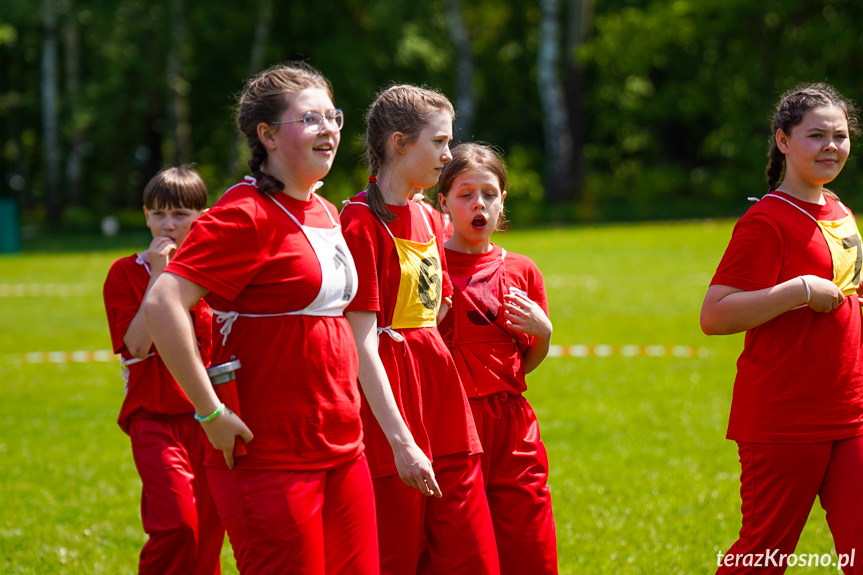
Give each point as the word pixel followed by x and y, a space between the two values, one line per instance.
pixel 642 477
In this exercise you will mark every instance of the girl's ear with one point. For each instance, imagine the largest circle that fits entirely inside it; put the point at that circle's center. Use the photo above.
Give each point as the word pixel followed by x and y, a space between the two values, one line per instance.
pixel 782 141
pixel 441 200
pixel 399 144
pixel 267 135
pixel 502 196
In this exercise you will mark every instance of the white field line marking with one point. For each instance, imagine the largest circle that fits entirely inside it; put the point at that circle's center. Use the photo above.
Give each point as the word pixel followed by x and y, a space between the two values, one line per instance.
pixel 578 350
pixel 45 290
pixel 81 356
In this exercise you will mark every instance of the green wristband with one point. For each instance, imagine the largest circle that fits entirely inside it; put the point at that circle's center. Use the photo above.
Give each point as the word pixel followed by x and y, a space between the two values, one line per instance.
pixel 212 416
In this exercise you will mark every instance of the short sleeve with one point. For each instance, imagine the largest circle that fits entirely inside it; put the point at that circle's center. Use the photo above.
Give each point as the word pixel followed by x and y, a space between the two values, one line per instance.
pixel 221 253
pixel 361 241
pixel 536 288
pixel 121 304
pixel 753 258
pixel 446 287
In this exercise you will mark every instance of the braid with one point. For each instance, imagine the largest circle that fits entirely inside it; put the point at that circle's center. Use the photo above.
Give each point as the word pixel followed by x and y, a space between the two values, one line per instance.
pixel 373 193
pixel 775 167
pixel 377 204
pixel 267 184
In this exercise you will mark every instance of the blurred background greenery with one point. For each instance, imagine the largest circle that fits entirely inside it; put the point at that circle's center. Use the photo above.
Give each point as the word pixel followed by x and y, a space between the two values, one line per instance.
pixel 606 110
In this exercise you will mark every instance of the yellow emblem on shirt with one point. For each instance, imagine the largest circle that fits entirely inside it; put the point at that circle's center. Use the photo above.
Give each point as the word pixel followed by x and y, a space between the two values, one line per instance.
pixel 846 249
pixel 420 284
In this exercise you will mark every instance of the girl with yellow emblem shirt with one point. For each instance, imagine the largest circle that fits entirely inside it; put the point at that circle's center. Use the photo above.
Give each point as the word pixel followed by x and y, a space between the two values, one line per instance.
pixel 418 429
pixel 789 279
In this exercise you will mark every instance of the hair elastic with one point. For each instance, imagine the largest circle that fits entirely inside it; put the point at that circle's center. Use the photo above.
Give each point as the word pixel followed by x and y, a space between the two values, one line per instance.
pixel 373 180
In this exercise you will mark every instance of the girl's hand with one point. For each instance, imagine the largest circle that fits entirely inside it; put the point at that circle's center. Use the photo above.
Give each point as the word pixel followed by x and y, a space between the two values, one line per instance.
pixel 221 432
pixel 415 469
pixel 523 314
pixel 824 296
pixel 159 253
pixel 445 306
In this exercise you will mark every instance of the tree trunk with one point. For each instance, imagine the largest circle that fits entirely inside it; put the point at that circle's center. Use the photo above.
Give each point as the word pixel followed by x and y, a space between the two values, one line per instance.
pixel 558 141
pixel 256 62
pixel 579 28
pixel 49 113
pixel 73 82
pixel 179 86
pixel 465 102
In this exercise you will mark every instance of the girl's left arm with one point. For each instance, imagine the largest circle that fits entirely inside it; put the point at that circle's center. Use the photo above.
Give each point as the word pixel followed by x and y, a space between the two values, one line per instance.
pixel 525 315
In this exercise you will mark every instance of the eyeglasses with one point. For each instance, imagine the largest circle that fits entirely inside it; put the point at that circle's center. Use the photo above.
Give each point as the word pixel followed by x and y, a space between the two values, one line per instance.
pixel 316 119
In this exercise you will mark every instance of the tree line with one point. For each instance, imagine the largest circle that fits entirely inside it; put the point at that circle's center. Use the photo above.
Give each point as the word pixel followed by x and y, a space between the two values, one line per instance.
pixel 609 110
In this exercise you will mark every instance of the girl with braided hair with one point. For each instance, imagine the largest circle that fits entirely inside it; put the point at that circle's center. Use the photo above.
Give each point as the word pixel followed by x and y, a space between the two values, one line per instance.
pixel 420 436
pixel 789 279
pixel 270 259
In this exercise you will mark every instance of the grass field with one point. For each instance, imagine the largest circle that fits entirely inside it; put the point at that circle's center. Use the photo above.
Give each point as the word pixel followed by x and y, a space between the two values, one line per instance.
pixel 642 478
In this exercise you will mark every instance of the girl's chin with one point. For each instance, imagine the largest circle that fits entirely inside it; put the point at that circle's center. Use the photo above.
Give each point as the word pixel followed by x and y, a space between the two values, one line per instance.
pixel 475 237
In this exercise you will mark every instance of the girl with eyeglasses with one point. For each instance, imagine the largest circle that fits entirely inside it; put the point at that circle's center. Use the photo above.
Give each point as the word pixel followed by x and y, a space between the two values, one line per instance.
pixel 270 259
pixel 420 436
pixel 789 279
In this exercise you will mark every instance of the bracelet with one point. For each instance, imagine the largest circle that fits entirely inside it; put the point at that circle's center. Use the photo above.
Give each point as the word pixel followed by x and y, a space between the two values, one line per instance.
pixel 212 416
pixel 806 285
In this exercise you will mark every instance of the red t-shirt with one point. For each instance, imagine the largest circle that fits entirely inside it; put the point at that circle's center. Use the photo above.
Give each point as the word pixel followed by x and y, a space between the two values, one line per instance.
pixel 800 376
pixel 152 392
pixel 421 370
pixel 489 355
pixel 297 385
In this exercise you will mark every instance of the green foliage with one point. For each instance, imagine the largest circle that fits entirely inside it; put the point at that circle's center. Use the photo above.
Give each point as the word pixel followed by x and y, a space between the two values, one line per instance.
pixel 678 93
pixel 642 478
pixel 687 89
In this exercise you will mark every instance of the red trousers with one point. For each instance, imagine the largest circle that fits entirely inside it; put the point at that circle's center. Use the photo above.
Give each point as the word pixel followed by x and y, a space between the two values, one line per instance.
pixel 457 527
pixel 177 509
pixel 299 522
pixel 515 473
pixel 778 485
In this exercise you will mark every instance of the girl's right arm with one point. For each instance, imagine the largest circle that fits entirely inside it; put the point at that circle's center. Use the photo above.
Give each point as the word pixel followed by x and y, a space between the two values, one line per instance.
pixel 137 338
pixel 413 466
pixel 170 325
pixel 728 310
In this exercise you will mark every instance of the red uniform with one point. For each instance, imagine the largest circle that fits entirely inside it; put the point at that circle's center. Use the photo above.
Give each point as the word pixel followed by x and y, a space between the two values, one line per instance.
pixel 177 510
pixel 430 398
pixel 797 409
pixel 297 387
pixel 490 361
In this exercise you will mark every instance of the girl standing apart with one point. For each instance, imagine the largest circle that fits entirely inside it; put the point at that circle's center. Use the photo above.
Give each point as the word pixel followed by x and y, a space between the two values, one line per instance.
pixel 415 408
pixel 789 278
pixel 270 259
pixel 498 330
